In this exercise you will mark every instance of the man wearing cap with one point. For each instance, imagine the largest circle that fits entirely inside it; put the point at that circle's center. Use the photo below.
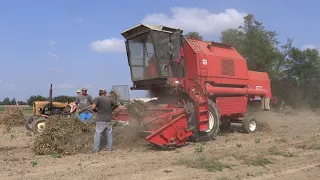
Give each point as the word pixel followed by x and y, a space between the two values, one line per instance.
pixel 78 92
pixel 84 101
pixel 100 91
pixel 104 106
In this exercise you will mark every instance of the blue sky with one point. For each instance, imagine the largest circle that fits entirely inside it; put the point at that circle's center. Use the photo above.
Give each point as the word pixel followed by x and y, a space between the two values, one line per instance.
pixel 72 43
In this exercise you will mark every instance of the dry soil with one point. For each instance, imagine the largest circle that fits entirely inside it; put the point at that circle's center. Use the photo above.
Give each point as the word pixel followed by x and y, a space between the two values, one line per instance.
pixel 291 150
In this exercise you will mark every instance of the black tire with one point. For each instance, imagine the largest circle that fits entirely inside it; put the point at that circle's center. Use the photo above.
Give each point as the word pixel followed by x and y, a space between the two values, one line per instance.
pixel 192 121
pixel 248 125
pixel 35 123
pixel 212 134
pixel 225 125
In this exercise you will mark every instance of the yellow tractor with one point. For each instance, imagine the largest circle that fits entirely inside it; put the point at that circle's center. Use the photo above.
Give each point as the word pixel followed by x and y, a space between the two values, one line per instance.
pixel 48 110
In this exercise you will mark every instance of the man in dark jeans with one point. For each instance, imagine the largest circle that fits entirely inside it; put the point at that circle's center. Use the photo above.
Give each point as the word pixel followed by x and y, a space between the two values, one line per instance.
pixel 104 105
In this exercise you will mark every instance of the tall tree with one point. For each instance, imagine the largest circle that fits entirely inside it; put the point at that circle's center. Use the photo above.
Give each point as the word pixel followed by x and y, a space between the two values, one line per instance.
pixel 235 38
pixel 303 69
pixel 13 101
pixel 194 35
pixel 281 63
pixel 259 47
pixel 22 103
pixel 31 99
pixel 6 101
pixel 63 98
pixel 254 43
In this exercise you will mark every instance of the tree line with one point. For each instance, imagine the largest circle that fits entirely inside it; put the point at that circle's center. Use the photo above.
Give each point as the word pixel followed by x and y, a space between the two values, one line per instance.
pixel 294 72
pixel 31 99
pixel 8 101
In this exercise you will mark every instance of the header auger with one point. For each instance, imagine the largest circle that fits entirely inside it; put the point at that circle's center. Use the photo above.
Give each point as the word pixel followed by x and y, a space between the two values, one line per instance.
pixel 200 85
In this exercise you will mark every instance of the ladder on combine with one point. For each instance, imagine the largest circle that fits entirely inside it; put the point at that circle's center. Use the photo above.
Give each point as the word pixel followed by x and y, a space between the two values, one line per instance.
pixel 201 103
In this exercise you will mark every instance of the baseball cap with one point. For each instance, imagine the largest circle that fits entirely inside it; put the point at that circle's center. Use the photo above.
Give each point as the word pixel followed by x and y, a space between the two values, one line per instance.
pixel 102 91
pixel 84 89
pixel 78 90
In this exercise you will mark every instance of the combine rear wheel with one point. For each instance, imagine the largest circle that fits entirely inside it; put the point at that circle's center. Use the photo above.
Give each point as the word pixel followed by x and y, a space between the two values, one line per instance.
pixel 214 123
pixel 250 125
pixel 39 125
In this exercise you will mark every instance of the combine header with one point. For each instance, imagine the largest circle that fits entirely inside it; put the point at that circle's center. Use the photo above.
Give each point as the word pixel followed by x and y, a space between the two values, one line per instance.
pixel 200 85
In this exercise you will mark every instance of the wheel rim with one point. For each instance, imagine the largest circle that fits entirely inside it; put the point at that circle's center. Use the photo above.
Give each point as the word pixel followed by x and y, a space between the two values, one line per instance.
pixel 41 126
pixel 211 122
pixel 252 126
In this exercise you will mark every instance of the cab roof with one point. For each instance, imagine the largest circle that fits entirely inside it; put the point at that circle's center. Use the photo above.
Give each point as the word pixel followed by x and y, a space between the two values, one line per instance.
pixel 142 28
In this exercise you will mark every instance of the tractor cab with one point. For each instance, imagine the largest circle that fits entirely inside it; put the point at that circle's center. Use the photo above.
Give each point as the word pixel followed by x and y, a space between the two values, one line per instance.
pixel 154 54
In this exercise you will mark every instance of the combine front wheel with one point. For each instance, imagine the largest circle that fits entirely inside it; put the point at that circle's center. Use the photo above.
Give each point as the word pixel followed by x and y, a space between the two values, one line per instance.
pixel 214 123
pixel 249 125
pixel 39 125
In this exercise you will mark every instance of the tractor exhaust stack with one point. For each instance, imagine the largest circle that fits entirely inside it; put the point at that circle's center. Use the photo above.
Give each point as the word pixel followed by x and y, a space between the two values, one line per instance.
pixel 50 97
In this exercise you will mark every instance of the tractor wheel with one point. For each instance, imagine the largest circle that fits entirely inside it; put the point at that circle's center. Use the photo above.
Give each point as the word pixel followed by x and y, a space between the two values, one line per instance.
pixel 39 125
pixel 250 125
pixel 214 123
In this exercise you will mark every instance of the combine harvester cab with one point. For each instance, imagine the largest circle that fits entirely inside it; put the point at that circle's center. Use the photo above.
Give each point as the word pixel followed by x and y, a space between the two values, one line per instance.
pixel 200 85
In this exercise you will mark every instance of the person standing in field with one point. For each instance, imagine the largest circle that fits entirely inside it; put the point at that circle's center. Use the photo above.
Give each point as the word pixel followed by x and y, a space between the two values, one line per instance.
pixel 83 102
pixel 104 106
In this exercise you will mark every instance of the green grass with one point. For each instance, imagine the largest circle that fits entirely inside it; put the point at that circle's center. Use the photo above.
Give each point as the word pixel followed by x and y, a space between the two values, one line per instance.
pixel 260 161
pixel 199 149
pixel 224 178
pixel 276 151
pixel 203 162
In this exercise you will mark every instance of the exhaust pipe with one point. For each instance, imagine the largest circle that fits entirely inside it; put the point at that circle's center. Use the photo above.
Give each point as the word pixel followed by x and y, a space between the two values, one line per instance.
pixel 50 97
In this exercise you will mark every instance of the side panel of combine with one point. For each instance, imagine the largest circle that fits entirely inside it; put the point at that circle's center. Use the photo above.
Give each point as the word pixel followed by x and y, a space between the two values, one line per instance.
pixel 223 62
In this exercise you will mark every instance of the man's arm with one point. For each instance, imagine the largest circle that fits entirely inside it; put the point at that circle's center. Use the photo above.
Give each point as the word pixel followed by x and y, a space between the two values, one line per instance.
pixel 90 98
pixel 95 103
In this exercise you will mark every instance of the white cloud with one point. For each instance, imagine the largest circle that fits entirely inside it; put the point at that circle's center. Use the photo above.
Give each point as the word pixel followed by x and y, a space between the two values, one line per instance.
pixel 109 45
pixel 52 42
pixel 200 20
pixel 53 55
pixel 308 46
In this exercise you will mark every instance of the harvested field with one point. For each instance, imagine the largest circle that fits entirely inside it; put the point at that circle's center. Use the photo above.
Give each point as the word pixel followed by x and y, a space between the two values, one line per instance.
pixel 287 147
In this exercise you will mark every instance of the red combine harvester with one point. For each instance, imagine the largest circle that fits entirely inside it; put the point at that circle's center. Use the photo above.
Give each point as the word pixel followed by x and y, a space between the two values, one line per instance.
pixel 203 85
